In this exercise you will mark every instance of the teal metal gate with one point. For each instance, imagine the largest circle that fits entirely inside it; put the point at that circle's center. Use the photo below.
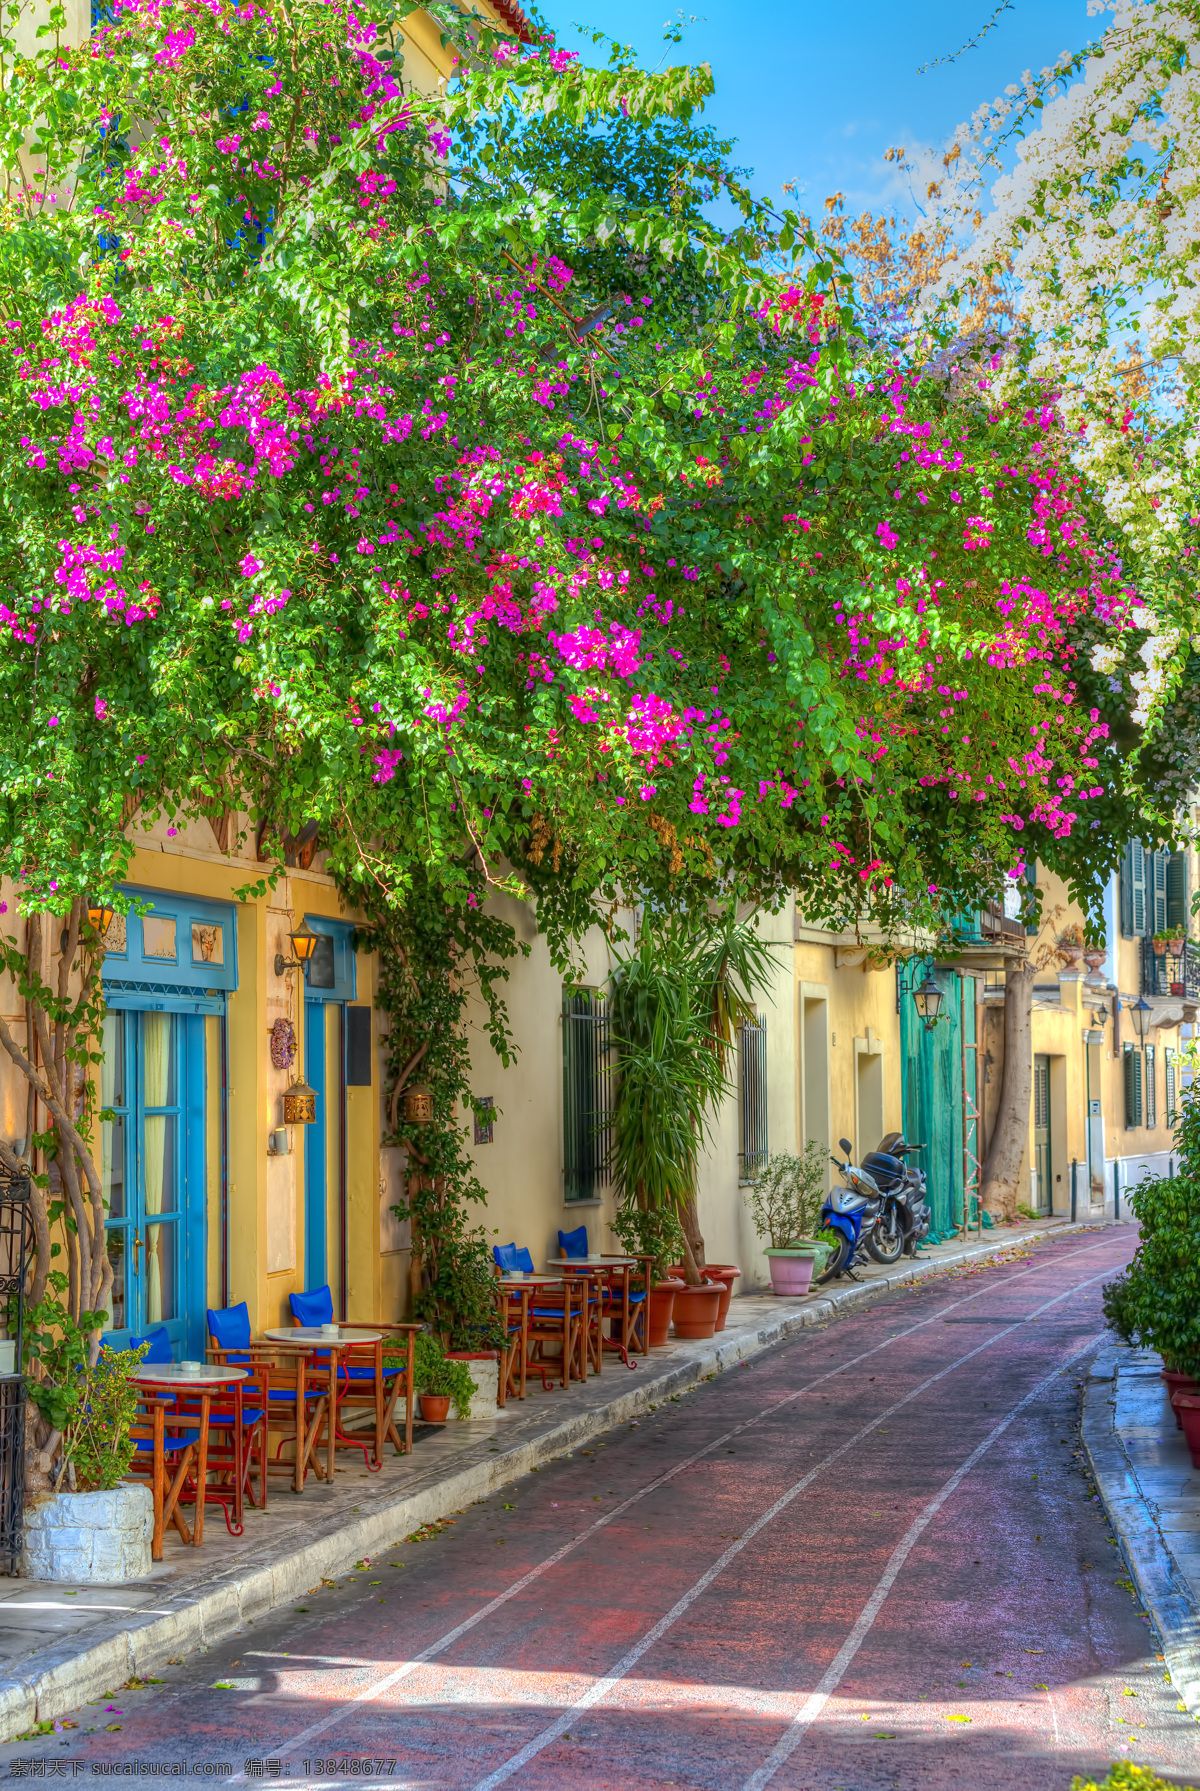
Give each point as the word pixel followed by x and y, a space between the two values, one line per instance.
pixel 931 1078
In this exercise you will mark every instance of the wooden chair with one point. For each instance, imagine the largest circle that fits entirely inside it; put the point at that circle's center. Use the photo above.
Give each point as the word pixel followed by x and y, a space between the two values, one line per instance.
pixel 297 1401
pixel 162 1435
pixel 363 1380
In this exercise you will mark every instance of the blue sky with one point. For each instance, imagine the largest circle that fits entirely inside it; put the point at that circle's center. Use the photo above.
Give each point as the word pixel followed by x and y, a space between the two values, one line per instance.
pixel 816 93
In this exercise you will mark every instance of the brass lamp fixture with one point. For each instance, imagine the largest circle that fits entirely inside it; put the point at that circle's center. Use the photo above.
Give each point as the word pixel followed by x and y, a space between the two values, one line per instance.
pixel 100 914
pixel 418 1104
pixel 304 944
pixel 927 999
pixel 299 1105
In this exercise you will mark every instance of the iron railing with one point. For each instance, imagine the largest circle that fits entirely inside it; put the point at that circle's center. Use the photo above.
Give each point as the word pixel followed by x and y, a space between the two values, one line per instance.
pixel 1171 973
pixel 752 1113
pixel 16 1250
pixel 587 1094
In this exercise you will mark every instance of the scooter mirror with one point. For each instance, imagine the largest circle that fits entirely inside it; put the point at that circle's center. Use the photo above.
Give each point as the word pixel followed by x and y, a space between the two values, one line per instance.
pixel 846 1146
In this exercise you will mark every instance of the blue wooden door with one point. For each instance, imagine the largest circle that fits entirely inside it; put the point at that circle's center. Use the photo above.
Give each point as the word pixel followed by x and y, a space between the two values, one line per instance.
pixel 152 1168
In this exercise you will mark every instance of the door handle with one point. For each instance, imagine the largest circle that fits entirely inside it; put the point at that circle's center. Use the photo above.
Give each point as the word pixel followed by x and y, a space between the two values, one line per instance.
pixel 137 1253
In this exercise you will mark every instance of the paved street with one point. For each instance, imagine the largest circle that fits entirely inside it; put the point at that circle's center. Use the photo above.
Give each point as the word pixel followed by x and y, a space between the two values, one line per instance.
pixel 870 1559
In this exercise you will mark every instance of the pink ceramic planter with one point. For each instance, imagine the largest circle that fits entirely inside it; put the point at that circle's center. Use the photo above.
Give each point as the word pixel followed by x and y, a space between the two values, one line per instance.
pixel 791 1271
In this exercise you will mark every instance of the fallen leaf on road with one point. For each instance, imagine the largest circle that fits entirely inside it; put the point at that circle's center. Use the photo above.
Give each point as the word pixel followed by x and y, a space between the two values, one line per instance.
pixel 1034 1651
pixel 958 1719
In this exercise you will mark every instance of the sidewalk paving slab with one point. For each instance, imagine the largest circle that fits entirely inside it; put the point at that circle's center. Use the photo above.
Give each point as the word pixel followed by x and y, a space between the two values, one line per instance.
pixel 1151 1492
pixel 56 1651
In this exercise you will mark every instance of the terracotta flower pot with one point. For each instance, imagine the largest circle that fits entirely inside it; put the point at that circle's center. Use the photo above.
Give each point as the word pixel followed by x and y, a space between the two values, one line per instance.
pixel 726 1274
pixel 1187 1408
pixel 792 1271
pixel 696 1309
pixel 662 1306
pixel 435 1408
pixel 1160 947
pixel 1178 1383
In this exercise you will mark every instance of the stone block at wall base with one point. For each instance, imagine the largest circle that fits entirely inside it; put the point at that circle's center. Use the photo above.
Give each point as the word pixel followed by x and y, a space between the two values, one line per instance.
pixel 484 1369
pixel 103 1537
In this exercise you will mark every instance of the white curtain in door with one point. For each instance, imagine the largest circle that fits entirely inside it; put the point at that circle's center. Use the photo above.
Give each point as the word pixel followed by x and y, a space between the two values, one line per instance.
pixel 156 1064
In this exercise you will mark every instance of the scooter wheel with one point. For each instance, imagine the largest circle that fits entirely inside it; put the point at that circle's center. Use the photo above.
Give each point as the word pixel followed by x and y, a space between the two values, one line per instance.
pixel 837 1262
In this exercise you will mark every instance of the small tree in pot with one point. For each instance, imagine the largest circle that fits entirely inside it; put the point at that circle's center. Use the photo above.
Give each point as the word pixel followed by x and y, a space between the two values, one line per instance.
pixel 785 1201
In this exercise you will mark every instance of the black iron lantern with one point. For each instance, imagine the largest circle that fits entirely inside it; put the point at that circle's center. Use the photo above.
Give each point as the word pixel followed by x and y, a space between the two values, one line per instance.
pixel 927 999
pixel 304 943
pixel 1140 1012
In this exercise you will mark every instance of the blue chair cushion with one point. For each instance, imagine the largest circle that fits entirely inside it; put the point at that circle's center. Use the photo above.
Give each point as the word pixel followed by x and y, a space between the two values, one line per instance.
pixel 158 1345
pixel 574 1243
pixel 618 1298
pixel 173 1442
pixel 250 1417
pixel 312 1308
pixel 512 1258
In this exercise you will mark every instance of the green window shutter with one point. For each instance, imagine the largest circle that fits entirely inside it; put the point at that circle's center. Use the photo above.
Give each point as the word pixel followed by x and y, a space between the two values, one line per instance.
pixel 1169 1091
pixel 1151 1088
pixel 1177 890
pixel 1133 1088
pixel 752 1111
pixel 587 1103
pixel 1033 924
pixel 1137 884
pixel 1125 889
pixel 1156 892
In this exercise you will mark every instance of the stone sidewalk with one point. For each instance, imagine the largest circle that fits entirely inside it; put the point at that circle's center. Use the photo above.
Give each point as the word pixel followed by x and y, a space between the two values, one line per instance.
pixel 1151 1492
pixel 60 1645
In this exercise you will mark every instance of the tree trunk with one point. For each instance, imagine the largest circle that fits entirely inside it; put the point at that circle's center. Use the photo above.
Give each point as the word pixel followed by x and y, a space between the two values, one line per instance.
pixel 1001 1171
pixel 693 1243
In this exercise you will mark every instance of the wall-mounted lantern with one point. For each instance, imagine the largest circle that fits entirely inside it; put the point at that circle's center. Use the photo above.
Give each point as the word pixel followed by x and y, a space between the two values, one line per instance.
pixel 1140 1012
pixel 299 1105
pixel 304 944
pixel 418 1104
pixel 927 999
pixel 99 915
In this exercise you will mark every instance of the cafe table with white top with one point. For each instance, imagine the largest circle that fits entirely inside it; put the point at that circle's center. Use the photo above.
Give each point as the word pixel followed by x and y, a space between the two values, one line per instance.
pixel 615 1272
pixel 334 1342
pixel 181 1378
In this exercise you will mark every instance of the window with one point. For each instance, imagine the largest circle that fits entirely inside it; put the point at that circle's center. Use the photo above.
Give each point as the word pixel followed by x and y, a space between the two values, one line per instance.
pixel 1170 1073
pixel 484 1121
pixel 752 1106
pixel 1133 1087
pixel 587 1094
pixel 1154 891
pixel 1151 1091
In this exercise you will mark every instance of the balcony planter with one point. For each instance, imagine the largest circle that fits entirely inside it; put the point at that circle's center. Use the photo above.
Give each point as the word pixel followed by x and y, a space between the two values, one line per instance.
pixel 1159 947
pixel 792 1269
pixel 91 1538
pixel 696 1309
pixel 662 1309
pixel 726 1274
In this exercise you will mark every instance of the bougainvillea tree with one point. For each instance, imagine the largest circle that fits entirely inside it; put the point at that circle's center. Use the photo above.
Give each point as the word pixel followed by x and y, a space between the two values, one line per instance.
pixel 431 470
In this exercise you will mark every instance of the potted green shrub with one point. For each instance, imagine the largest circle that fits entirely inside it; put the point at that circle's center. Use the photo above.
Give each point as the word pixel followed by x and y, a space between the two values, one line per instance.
pixel 98 1526
pixel 439 1380
pixel 655 1234
pixel 1155 1304
pixel 785 1201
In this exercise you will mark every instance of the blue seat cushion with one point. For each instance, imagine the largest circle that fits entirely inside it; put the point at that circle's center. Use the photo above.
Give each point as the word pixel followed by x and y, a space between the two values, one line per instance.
pixel 312 1308
pixel 173 1442
pixel 618 1298
pixel 574 1243
pixel 224 1420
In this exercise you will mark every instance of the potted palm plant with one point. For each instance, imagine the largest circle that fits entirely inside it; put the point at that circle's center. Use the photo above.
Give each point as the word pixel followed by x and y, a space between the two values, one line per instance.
pixel 676 1002
pixel 785 1201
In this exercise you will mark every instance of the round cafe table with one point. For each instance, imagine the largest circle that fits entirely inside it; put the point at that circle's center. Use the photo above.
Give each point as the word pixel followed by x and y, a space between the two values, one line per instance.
pixel 174 1378
pixel 313 1341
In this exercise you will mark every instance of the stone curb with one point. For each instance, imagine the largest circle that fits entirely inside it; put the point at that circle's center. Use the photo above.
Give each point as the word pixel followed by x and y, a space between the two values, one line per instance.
pixel 212 1605
pixel 1161 1586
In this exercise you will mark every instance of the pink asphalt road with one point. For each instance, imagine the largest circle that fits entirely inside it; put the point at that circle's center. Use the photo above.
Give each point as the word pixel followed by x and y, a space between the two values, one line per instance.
pixel 870 1559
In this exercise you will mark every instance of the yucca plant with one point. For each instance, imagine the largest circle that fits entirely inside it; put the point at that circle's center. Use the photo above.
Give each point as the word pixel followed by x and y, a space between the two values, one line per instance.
pixel 677 1001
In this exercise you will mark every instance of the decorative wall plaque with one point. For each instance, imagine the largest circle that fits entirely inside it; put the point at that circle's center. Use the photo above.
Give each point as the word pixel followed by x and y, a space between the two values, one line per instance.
pixel 283 1044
